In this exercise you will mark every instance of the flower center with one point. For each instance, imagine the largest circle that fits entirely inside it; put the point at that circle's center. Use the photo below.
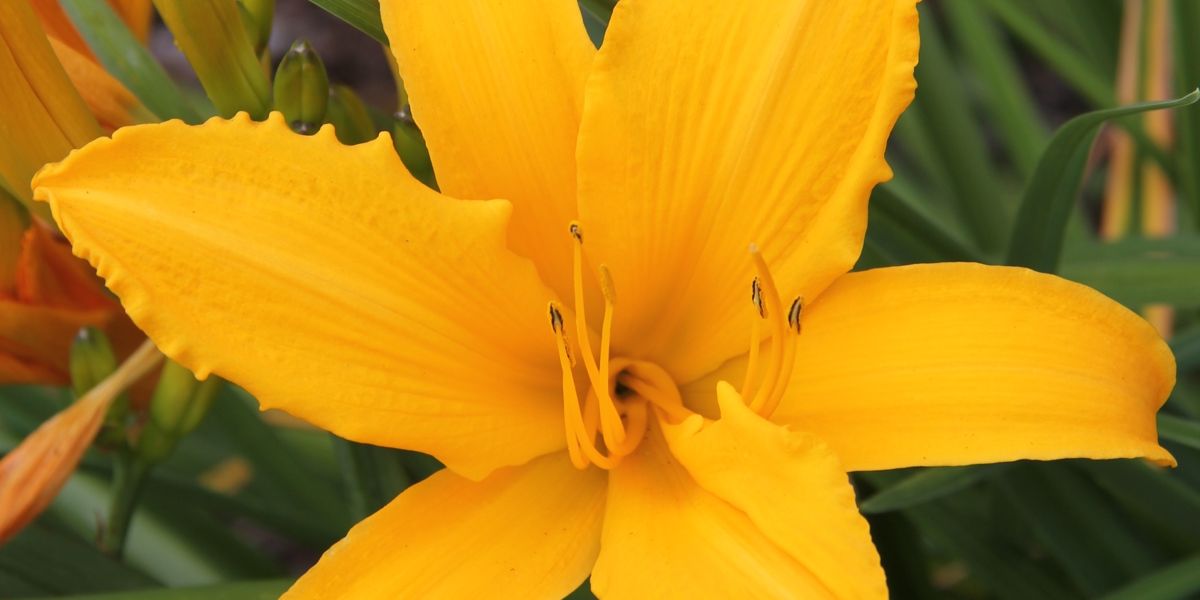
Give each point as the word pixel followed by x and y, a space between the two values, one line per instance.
pixel 622 390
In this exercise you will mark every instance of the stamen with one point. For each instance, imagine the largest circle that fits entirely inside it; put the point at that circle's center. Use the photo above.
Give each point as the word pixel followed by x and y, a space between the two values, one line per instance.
pixel 572 420
pixel 776 317
pixel 789 359
pixel 610 422
pixel 748 384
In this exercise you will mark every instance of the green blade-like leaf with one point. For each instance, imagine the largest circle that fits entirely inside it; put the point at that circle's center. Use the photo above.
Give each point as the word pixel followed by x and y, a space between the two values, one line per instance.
pixel 60 564
pixel 1037 238
pixel 1138 271
pixel 927 485
pixel 904 232
pixel 1180 431
pixel 362 14
pixel 1089 80
pixel 1187 59
pixel 125 58
pixel 1006 573
pixel 958 140
pixel 1186 347
pixel 255 590
pixel 1080 526
pixel 1008 99
pixel 1176 582
pixel 1160 499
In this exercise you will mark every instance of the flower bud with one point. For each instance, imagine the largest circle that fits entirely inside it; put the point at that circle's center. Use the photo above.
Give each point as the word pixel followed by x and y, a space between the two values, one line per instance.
pixel 93 361
pixel 302 88
pixel 179 403
pixel 349 116
pixel 410 145
pixel 257 16
pixel 42 116
pixel 215 42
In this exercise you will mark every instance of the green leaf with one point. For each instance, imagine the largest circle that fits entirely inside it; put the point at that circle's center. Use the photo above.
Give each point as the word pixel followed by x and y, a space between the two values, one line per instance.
pixel 1006 572
pixel 958 140
pixel 272 459
pixel 58 564
pixel 1080 526
pixel 1186 348
pixel 1176 582
pixel 362 14
pixel 1187 59
pixel 1078 71
pixel 1138 271
pixel 1007 95
pixel 1180 431
pixel 906 233
pixel 1037 237
pixel 123 56
pixel 255 590
pixel 1156 496
pixel 928 485
pixel 601 10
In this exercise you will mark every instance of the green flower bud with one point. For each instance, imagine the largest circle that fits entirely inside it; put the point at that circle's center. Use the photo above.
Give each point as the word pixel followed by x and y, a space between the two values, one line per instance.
pixel 257 16
pixel 349 116
pixel 302 88
pixel 214 40
pixel 410 145
pixel 179 403
pixel 92 360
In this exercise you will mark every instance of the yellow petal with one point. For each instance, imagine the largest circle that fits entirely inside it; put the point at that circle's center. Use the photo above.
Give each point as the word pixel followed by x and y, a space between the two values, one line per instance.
pixel 792 487
pixel 323 279
pixel 497 89
pixel 665 536
pixel 113 105
pixel 42 117
pixel 33 473
pixel 710 125
pixel 524 532
pixel 956 364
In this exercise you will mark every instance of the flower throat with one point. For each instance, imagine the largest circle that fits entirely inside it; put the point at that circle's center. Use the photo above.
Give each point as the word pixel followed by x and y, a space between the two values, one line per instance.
pixel 623 390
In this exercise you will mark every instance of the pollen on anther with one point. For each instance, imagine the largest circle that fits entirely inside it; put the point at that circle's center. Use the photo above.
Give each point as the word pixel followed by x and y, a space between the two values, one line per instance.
pixel 556 319
pixel 757 298
pixel 794 314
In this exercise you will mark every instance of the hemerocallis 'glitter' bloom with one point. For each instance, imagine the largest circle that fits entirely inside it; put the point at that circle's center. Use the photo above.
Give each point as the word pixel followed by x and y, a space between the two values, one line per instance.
pixel 329 283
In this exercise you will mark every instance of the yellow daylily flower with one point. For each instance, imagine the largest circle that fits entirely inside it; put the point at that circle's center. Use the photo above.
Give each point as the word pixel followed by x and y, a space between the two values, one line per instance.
pixel 331 284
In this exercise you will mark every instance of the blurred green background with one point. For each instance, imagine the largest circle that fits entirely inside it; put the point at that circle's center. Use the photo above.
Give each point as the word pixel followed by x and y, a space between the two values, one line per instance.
pixel 1012 153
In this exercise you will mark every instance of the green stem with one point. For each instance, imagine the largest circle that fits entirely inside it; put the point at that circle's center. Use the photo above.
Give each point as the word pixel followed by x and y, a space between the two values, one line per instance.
pixel 128 475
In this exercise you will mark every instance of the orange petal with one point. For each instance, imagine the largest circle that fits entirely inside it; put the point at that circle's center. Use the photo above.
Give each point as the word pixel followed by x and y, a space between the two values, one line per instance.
pixel 712 124
pixel 954 364
pixel 666 536
pixel 33 473
pixel 497 89
pixel 792 487
pixel 524 532
pixel 325 280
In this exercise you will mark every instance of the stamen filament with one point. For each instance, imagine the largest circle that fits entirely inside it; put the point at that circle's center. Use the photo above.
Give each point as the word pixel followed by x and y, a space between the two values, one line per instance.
pixel 573 420
pixel 789 359
pixel 610 421
pixel 749 384
pixel 776 317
